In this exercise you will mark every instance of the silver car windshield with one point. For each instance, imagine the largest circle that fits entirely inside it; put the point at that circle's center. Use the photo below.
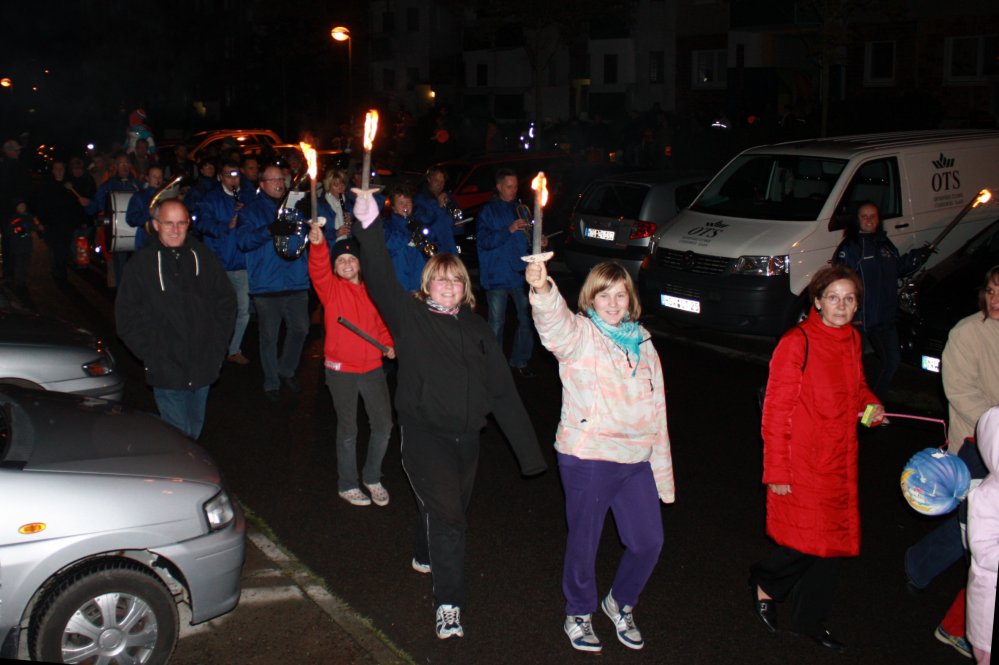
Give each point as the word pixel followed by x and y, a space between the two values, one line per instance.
pixel 781 187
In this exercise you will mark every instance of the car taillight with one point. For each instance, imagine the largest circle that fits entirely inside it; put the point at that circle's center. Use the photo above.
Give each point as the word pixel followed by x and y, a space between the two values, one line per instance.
pixel 642 230
pixel 101 367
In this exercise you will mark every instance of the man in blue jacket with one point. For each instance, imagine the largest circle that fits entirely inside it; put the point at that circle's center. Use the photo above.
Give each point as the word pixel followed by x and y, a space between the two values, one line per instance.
pixel 121 181
pixel 138 215
pixel 279 286
pixel 430 208
pixel 216 221
pixel 502 239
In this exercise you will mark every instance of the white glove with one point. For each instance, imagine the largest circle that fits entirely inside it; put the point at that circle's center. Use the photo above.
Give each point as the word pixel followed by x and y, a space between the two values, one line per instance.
pixel 365 207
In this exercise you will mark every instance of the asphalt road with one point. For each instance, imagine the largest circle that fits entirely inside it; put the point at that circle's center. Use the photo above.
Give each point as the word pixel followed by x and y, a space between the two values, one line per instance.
pixel 279 460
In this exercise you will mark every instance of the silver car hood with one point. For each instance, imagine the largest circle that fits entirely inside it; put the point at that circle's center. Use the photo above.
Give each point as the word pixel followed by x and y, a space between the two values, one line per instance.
pixel 64 433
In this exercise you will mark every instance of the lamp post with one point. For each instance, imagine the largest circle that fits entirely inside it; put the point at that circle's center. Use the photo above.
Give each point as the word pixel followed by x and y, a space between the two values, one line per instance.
pixel 342 34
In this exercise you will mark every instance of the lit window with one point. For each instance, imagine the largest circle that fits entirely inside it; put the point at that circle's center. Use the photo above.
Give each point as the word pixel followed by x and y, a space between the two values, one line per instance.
pixel 709 69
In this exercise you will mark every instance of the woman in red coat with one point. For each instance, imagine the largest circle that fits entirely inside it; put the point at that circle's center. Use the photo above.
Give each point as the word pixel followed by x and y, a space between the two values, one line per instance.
pixel 815 391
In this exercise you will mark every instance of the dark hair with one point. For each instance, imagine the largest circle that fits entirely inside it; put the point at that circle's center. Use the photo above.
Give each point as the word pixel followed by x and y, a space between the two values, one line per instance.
pixel 247 158
pixel 991 277
pixel 404 188
pixel 504 173
pixel 826 276
pixel 436 168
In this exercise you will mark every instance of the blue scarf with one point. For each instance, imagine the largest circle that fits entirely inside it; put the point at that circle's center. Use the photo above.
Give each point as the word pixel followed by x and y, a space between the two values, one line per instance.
pixel 626 335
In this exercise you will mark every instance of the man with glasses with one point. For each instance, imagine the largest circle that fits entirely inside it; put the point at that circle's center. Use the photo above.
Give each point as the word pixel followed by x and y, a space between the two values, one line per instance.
pixel 278 285
pixel 175 312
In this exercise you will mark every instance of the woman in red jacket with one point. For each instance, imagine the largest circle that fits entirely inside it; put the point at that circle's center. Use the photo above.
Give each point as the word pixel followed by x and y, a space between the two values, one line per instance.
pixel 353 366
pixel 815 391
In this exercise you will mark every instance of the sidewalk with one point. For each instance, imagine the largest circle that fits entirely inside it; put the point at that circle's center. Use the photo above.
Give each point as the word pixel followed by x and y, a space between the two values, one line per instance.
pixel 285 614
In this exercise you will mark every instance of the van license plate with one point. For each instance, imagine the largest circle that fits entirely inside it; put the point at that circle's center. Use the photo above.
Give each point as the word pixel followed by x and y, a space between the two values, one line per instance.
pixel 930 364
pixel 682 304
pixel 599 234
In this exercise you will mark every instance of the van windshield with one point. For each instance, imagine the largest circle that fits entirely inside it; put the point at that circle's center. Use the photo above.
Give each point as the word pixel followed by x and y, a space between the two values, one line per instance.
pixel 782 187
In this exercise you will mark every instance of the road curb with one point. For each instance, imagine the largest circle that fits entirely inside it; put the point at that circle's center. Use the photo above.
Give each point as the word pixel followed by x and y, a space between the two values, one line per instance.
pixel 359 628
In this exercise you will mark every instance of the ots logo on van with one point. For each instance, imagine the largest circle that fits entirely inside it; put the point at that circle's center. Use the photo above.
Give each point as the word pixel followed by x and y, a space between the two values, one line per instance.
pixel 709 230
pixel 946 177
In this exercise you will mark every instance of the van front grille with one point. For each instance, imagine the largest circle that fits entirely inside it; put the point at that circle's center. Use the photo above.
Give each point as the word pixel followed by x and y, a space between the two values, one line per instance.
pixel 688 261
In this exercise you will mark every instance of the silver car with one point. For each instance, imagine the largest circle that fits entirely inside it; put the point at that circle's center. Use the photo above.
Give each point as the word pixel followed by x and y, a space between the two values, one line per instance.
pixel 39 352
pixel 108 519
pixel 616 216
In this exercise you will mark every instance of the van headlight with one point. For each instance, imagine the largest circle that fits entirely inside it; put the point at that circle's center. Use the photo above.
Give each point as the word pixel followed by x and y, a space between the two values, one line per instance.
pixel 766 266
pixel 218 511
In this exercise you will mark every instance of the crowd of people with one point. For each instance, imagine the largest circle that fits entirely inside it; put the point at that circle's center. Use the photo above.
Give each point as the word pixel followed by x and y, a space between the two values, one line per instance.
pixel 395 291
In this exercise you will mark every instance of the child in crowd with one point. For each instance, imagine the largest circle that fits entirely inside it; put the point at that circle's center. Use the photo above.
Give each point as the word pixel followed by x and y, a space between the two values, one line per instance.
pixel 353 365
pixel 20 227
pixel 612 442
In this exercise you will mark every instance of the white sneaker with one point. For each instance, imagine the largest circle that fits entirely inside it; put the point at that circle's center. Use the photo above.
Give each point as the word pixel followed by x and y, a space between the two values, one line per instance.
pixel 624 623
pixel 580 631
pixel 378 494
pixel 355 497
pixel 423 568
pixel 449 622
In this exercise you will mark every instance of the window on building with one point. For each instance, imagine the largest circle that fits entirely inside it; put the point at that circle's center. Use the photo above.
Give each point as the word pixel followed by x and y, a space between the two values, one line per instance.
pixel 879 63
pixel 709 69
pixel 657 66
pixel 971 59
pixel 388 79
pixel 388 22
pixel 481 74
pixel 610 68
pixel 413 19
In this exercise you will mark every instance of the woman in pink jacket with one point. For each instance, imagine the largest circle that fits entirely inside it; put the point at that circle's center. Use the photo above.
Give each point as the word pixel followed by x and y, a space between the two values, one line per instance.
pixel 983 541
pixel 612 443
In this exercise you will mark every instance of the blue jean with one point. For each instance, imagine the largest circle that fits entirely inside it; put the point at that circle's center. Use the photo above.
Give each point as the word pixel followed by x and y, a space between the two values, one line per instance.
pixel 523 338
pixel 241 285
pixel 344 388
pixel 293 310
pixel 184 409
pixel 592 487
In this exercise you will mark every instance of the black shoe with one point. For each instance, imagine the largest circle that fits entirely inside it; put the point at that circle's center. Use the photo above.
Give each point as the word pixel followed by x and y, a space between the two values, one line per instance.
pixel 764 609
pixel 827 641
pixel 292 384
pixel 525 372
pixel 272 395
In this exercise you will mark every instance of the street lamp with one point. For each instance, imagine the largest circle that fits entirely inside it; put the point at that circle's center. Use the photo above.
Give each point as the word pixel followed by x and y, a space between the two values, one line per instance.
pixel 342 34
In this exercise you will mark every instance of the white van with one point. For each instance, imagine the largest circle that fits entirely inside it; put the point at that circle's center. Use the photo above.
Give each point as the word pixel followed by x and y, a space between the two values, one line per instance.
pixel 741 256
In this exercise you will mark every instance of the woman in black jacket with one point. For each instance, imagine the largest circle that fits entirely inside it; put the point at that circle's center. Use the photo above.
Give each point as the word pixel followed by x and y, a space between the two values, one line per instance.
pixel 452 374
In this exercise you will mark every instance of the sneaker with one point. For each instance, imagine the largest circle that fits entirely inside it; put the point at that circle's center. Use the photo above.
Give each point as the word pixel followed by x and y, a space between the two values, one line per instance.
pixel 449 622
pixel 580 631
pixel 378 494
pixel 355 497
pixel 624 623
pixel 423 568
pixel 292 384
pixel 960 644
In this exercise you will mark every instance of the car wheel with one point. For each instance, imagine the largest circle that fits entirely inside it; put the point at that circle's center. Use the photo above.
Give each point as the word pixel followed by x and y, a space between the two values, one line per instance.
pixel 115 613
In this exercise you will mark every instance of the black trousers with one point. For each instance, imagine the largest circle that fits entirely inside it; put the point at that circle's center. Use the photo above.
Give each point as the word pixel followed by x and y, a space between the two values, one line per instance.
pixel 441 469
pixel 808 581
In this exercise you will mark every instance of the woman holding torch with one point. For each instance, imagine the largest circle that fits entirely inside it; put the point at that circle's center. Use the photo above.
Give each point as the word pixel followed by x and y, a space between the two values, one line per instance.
pixel 353 365
pixel 452 374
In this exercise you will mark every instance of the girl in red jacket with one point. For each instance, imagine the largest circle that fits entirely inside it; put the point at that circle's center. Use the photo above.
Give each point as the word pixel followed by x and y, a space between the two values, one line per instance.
pixel 815 391
pixel 353 366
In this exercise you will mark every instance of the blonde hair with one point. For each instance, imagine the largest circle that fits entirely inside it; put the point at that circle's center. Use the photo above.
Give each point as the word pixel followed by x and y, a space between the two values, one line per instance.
pixel 331 175
pixel 602 277
pixel 439 265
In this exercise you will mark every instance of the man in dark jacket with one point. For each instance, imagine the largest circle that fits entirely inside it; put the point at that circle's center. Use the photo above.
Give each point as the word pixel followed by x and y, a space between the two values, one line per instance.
pixel 176 312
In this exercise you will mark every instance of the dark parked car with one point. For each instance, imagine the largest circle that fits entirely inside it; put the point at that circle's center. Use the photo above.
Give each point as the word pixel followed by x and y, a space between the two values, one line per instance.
pixel 932 302
pixel 616 216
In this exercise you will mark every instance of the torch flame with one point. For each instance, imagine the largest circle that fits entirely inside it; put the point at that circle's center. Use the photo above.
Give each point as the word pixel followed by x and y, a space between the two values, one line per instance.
pixel 540 185
pixel 310 158
pixel 370 128
pixel 984 196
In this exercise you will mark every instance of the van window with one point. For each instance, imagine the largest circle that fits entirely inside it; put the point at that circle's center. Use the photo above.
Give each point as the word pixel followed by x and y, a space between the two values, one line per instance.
pixel 685 194
pixel 876 181
pixel 608 199
pixel 783 187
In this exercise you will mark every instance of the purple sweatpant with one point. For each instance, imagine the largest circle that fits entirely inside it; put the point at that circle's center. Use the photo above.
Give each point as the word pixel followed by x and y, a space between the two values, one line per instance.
pixel 629 491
